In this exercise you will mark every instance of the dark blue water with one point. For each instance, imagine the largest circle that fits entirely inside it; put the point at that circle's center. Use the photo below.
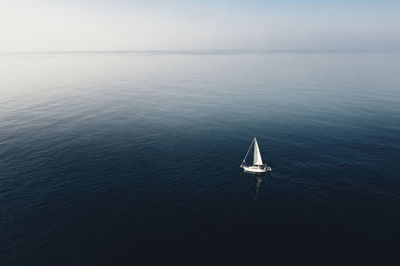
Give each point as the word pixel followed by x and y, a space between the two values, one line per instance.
pixel 133 159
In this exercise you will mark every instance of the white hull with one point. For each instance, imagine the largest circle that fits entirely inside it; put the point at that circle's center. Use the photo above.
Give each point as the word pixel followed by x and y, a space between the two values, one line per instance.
pixel 255 169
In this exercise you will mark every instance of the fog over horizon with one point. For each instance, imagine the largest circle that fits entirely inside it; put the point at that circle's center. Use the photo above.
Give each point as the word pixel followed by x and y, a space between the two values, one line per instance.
pixel 44 25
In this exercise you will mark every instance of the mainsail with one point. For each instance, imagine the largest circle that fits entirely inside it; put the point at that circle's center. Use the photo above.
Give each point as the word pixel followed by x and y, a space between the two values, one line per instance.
pixel 257 160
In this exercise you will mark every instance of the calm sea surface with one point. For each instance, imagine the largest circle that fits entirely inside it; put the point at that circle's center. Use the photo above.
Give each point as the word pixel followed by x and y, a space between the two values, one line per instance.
pixel 133 158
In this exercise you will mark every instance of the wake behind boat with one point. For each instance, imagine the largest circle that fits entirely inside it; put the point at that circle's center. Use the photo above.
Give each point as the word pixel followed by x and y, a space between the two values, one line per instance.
pixel 258 166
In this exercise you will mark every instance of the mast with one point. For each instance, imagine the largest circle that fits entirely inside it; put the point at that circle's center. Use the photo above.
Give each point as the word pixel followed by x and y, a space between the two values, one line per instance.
pixel 257 160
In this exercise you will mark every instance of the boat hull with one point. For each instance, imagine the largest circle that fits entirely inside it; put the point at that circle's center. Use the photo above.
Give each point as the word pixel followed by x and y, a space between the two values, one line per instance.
pixel 254 169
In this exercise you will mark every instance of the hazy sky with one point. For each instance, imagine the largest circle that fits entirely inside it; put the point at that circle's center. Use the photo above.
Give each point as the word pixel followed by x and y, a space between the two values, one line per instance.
pixel 44 25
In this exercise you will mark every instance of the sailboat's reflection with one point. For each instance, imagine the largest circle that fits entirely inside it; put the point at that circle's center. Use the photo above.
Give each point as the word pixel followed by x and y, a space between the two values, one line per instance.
pixel 257 183
pixel 258 179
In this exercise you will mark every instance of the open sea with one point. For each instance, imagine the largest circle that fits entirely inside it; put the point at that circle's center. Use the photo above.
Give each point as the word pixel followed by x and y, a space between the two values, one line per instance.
pixel 132 158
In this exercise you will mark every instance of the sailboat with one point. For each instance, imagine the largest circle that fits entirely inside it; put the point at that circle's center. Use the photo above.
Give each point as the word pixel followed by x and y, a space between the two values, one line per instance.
pixel 258 166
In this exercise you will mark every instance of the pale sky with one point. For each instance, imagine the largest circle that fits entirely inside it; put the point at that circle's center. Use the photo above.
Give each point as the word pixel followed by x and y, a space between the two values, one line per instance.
pixel 72 25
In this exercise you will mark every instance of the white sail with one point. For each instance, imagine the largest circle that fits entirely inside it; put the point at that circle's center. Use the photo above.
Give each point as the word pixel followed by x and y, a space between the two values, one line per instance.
pixel 257 160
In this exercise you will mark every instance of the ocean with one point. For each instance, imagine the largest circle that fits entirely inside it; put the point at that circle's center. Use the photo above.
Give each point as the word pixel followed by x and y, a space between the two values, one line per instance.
pixel 132 158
